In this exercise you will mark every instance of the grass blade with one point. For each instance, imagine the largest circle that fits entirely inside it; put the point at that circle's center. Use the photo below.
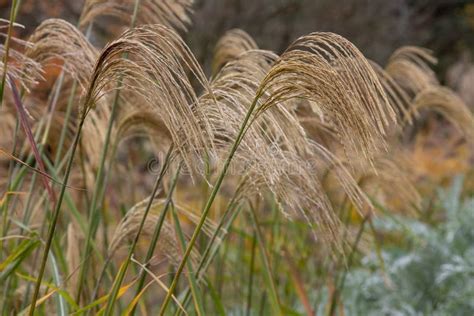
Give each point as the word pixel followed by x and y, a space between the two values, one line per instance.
pixel 113 296
pixel 192 279
pixel 54 220
pixel 24 122
pixel 209 203
pixel 100 182
pixel 16 257
pixel 340 284
pixel 251 274
pixel 157 231
pixel 267 271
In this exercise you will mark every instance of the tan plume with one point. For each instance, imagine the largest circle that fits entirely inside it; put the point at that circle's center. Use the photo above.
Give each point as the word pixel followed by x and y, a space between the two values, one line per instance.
pixel 156 71
pixel 168 244
pixel 233 43
pixel 329 71
pixel 59 43
pixel 409 66
pixel 171 13
pixel 447 103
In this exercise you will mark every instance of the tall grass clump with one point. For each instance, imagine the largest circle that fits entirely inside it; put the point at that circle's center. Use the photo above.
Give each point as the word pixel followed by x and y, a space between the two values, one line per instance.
pixel 255 190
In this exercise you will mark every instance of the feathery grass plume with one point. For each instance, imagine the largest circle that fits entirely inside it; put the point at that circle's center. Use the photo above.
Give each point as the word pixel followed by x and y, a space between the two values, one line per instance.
pixel 392 183
pixel 328 70
pixel 137 118
pixel 168 245
pixel 234 87
pixel 398 97
pixel 269 155
pixel 156 70
pixel 447 103
pixel 5 24
pixel 316 126
pixel 59 43
pixel 21 67
pixel 275 155
pixel 134 118
pixel 390 176
pixel 409 66
pixel 460 77
pixel 421 57
pixel 171 13
pixel 233 43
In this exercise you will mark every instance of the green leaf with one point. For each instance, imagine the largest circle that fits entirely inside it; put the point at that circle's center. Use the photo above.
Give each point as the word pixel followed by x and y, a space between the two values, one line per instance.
pixel 19 254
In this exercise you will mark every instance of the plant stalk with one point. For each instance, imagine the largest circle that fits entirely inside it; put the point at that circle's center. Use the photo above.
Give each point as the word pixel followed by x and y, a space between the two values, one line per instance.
pixel 207 208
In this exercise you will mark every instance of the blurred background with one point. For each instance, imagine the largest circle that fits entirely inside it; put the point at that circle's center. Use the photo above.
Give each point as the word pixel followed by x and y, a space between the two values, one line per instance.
pixel 377 27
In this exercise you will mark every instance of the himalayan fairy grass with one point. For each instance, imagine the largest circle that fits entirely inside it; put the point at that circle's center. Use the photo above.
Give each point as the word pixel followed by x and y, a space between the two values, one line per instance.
pixel 221 180
pixel 291 127
pixel 107 65
pixel 272 79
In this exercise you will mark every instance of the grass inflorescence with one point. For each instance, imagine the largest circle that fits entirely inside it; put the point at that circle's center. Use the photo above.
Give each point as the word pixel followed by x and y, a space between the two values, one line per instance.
pixel 253 190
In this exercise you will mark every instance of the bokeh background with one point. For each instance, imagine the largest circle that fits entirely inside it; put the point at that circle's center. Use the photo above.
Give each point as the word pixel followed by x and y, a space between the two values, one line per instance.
pixel 377 27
